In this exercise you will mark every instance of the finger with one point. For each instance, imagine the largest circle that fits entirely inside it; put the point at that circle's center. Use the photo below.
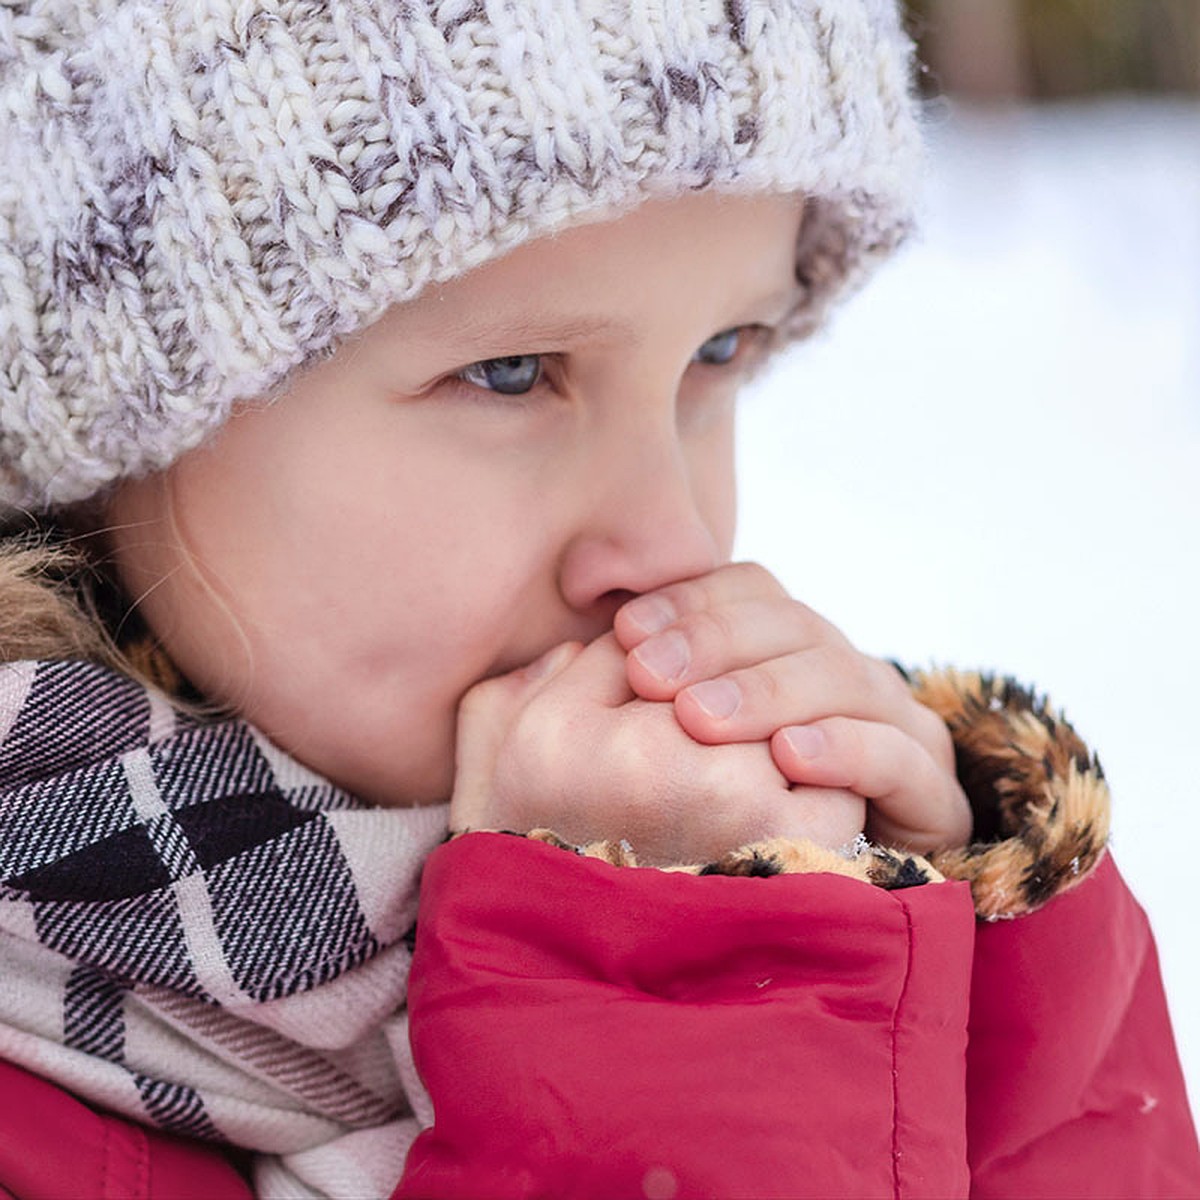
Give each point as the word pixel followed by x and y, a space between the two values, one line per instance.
pixel 596 676
pixel 914 802
pixel 485 714
pixel 824 680
pixel 715 641
pixel 652 612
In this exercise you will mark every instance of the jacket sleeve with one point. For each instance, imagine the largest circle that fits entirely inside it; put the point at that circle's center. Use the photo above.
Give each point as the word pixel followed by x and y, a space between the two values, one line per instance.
pixel 585 1029
pixel 54 1146
pixel 588 1030
pixel 1073 1084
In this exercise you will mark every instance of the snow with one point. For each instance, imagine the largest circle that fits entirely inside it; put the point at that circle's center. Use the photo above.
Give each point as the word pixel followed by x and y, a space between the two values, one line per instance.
pixel 993 458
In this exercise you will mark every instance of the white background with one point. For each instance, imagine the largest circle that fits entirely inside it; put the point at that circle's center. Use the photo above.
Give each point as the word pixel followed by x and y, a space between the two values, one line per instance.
pixel 992 459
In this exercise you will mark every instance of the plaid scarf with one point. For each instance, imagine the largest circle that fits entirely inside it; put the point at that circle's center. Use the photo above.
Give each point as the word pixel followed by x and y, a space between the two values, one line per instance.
pixel 201 934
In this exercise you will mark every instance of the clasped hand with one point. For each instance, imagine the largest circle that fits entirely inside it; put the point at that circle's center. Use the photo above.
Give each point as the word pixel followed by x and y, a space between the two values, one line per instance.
pixel 719 711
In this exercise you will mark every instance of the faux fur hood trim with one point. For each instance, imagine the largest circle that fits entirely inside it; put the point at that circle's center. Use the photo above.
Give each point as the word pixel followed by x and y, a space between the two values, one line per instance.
pixel 1038 795
pixel 878 865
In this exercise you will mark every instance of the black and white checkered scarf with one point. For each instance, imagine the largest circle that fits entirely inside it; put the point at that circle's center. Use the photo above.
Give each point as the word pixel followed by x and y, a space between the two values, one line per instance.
pixel 199 933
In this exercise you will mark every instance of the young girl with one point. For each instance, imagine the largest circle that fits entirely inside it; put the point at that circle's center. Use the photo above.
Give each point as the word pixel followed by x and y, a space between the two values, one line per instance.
pixel 366 447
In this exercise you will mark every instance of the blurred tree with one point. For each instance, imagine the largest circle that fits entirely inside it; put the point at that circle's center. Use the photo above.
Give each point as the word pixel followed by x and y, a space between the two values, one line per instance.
pixel 1006 49
pixel 976 48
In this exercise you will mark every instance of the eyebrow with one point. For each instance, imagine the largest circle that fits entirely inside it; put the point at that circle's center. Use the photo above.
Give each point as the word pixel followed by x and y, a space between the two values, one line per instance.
pixel 534 328
pixel 530 328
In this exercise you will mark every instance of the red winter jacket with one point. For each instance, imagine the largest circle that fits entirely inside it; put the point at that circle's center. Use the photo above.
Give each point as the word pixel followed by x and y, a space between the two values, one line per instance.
pixel 597 1030
pixel 592 1030
pixel 586 1030
pixel 54 1147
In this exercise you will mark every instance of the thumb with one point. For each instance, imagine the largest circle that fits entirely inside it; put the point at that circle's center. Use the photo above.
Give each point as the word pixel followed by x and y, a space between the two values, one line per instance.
pixel 485 715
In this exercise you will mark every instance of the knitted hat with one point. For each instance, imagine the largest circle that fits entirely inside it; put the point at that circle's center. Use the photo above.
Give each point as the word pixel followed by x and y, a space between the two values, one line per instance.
pixel 198 196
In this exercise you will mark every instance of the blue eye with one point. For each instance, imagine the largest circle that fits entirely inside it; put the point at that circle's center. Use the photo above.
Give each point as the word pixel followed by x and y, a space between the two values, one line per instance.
pixel 511 376
pixel 721 348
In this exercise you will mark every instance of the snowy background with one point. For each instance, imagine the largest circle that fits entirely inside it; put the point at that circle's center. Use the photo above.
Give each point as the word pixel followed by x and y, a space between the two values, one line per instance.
pixel 993 458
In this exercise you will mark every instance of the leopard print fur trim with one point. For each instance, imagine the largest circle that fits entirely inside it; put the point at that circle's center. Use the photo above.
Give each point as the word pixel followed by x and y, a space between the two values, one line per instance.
pixel 1039 799
pixel 878 865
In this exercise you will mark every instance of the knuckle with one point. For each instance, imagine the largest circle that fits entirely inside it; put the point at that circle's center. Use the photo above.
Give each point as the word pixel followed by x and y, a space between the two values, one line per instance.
pixel 890 681
pixel 772 688
pixel 481 698
pixel 897 687
pixel 840 662
pixel 811 623
pixel 847 750
pixel 683 596
pixel 755 578
pixel 708 629
pixel 842 733
pixel 806 616
pixel 860 668
pixel 788 617
pixel 762 687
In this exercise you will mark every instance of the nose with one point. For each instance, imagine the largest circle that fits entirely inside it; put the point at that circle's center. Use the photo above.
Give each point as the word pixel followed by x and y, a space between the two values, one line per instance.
pixel 645 525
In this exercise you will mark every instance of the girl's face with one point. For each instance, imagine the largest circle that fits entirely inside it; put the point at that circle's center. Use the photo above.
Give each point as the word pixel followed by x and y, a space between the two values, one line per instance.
pixel 487 471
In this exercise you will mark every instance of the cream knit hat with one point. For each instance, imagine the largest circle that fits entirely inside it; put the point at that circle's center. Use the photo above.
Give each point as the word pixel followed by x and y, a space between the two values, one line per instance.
pixel 197 196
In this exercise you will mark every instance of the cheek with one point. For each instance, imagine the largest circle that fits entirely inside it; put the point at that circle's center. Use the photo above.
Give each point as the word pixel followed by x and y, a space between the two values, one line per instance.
pixel 714 482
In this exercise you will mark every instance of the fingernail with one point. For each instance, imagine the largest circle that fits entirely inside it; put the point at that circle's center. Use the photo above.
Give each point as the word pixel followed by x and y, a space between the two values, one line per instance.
pixel 805 740
pixel 667 655
pixel 718 698
pixel 650 613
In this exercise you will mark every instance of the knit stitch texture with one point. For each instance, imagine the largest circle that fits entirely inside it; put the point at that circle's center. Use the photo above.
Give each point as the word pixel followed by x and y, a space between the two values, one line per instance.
pixel 198 197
